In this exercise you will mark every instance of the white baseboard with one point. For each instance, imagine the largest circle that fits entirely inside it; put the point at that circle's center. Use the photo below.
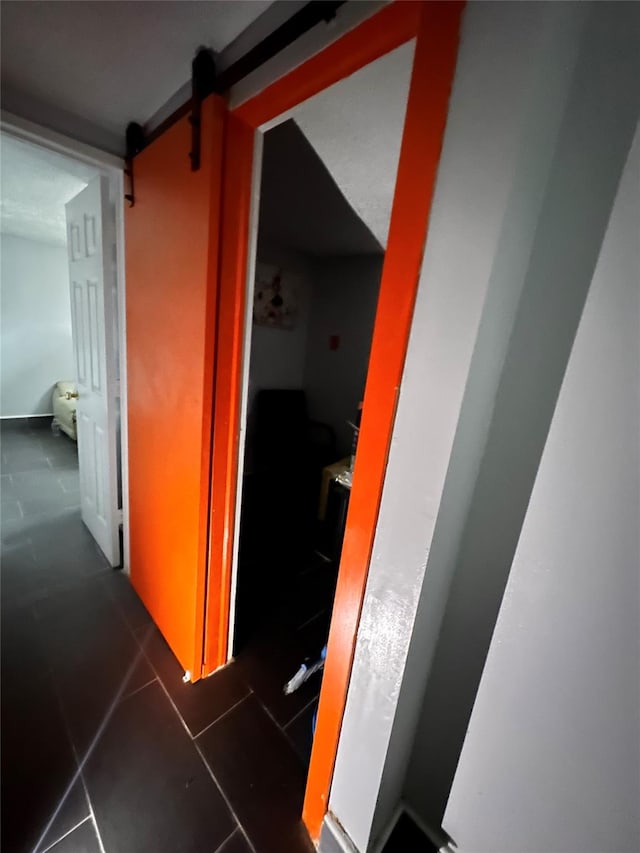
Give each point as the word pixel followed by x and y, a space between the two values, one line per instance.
pixel 333 838
pixel 25 417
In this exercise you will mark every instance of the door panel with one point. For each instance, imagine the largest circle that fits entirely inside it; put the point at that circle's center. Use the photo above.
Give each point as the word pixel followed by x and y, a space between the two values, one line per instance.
pixel 90 226
pixel 172 273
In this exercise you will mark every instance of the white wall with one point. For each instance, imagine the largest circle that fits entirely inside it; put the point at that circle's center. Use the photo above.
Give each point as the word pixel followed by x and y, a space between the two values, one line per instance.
pixel 593 139
pixel 363 113
pixel 490 114
pixel 277 355
pixel 552 758
pixel 345 295
pixel 36 326
pixel 515 230
pixel 337 296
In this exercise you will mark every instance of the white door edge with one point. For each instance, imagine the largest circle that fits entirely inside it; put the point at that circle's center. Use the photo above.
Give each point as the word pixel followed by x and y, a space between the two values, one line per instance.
pixel 254 215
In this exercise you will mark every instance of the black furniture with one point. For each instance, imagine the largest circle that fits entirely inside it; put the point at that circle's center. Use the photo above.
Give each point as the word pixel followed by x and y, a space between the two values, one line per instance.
pixel 285 454
pixel 335 520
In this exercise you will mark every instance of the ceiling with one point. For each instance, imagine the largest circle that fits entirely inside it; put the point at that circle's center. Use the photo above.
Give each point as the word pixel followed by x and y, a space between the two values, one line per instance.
pixel 104 63
pixel 329 174
pixel 301 207
pixel 35 185
pixel 355 126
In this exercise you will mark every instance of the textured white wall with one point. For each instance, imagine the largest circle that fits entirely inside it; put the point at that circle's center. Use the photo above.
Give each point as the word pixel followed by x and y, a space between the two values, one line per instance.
pixel 552 758
pixel 499 175
pixel 36 325
pixel 355 127
pixel 278 355
pixel 345 295
pixel 593 140
pixel 36 185
pixel 490 117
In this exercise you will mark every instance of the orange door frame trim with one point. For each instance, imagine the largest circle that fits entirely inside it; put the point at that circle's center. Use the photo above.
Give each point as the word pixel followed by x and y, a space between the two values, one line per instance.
pixel 435 25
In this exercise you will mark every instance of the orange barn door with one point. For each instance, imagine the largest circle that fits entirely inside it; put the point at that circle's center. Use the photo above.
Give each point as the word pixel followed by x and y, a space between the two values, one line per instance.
pixel 171 239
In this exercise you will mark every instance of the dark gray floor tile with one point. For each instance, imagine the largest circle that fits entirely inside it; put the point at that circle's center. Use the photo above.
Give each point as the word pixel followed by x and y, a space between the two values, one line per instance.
pixel 261 776
pixel 17 436
pixel 148 787
pixel 13 463
pixel 20 452
pixel 61 455
pixel 39 422
pixel 83 839
pixel 18 585
pixel 10 511
pixel 21 651
pixel 63 465
pixel 15 533
pixel 126 598
pixel 44 555
pixel 268 663
pixel 50 504
pixel 300 732
pixel 27 481
pixel 93 656
pixel 236 844
pixel 6 487
pixel 63 542
pixel 38 763
pixel 201 703
pixel 71 811
pixel 70 481
pixel 14 426
pixel 37 484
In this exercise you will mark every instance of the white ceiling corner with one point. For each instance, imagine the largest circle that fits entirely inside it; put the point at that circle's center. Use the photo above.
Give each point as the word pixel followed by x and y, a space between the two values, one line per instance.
pixel 356 128
pixel 35 185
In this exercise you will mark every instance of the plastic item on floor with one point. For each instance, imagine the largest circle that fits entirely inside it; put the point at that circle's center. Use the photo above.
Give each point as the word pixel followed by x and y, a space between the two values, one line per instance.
pixel 304 673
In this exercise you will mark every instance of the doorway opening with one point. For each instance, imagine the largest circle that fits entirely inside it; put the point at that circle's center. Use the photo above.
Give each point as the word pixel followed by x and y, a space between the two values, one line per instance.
pixel 321 231
pixel 61 402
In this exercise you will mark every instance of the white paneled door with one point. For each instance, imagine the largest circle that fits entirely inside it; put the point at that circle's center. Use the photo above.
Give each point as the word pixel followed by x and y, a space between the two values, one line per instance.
pixel 92 278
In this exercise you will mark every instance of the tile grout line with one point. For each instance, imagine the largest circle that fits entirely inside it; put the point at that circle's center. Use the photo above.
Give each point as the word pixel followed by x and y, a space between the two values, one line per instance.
pixel 62 837
pixel 312 619
pixel 271 717
pixel 78 772
pixel 93 817
pixel 196 746
pixel 225 798
pixel 80 764
pixel 202 758
pixel 137 690
pixel 299 713
pixel 224 714
pixel 228 838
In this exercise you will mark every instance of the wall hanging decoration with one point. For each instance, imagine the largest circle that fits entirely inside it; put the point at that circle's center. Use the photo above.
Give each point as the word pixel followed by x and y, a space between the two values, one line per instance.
pixel 275 301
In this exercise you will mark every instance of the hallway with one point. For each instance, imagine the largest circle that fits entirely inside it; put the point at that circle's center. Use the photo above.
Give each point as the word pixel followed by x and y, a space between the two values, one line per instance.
pixel 103 747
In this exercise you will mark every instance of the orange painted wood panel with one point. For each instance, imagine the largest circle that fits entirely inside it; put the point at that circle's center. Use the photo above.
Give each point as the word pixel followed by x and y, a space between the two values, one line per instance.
pixel 171 257
pixel 236 208
pixel 434 64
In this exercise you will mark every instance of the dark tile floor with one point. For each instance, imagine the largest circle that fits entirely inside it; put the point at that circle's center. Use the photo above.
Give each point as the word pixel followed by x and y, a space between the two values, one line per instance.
pixel 103 747
pixel 407 837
